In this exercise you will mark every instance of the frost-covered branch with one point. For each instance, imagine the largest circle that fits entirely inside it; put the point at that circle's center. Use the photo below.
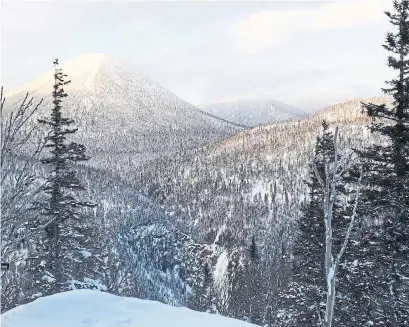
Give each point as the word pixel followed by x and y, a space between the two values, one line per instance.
pixel 19 150
pixel 16 160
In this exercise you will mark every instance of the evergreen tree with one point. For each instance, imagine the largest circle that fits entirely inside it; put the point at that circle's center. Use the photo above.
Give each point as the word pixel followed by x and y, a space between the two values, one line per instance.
pixel 204 299
pixel 386 195
pixel 359 276
pixel 253 250
pixel 65 236
pixel 303 299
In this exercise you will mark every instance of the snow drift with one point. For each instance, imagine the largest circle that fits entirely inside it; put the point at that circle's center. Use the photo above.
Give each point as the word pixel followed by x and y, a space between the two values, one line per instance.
pixel 97 309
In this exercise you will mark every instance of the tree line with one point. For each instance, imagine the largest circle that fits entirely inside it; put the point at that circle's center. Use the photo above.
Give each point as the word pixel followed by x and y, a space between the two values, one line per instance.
pixel 347 265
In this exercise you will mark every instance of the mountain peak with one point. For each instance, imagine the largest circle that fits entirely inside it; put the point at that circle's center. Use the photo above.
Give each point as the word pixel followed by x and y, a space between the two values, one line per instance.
pixel 139 114
pixel 81 70
pixel 88 63
pixel 91 58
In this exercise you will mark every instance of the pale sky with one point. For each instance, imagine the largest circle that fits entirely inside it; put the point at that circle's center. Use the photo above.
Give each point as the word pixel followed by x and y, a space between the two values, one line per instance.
pixel 306 53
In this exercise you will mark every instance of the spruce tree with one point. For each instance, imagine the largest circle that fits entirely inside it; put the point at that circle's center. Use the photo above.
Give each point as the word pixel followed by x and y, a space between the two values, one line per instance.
pixel 253 250
pixel 65 237
pixel 302 300
pixel 386 195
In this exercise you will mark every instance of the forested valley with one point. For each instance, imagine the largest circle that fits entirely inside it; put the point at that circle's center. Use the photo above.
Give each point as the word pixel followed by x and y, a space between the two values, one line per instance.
pixel 302 222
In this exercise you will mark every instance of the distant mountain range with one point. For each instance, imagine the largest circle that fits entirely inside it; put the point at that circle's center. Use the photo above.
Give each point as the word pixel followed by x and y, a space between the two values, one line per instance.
pixel 124 114
pixel 194 192
pixel 252 111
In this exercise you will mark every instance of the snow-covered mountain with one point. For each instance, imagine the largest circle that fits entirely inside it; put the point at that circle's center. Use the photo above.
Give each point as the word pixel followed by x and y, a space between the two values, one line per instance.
pixel 288 135
pixel 189 241
pixel 96 309
pixel 250 188
pixel 121 112
pixel 252 111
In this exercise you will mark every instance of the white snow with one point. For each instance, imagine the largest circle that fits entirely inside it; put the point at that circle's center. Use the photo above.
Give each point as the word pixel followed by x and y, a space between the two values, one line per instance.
pixel 85 253
pixel 110 100
pixel 97 309
pixel 252 111
pixel 330 278
pixel 259 187
pixel 220 270
pixel 48 277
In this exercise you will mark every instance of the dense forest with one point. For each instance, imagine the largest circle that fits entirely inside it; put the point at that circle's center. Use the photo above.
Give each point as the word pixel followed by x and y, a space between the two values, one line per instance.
pixel 303 222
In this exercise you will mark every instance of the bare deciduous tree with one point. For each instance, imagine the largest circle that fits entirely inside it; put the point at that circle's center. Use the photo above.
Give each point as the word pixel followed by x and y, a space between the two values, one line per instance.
pixel 333 174
pixel 19 185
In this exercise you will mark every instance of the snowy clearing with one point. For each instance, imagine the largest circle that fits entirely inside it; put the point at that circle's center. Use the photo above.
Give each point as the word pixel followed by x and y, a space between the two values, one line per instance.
pixel 97 309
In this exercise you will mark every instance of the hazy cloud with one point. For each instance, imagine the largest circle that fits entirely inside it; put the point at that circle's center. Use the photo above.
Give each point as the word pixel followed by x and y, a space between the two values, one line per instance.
pixel 262 30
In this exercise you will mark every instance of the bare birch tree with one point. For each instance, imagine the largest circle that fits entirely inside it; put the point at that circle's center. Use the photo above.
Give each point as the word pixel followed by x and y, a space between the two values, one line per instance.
pixel 333 173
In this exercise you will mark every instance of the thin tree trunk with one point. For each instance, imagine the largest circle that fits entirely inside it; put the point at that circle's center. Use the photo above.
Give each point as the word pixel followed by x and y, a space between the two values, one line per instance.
pixel 332 175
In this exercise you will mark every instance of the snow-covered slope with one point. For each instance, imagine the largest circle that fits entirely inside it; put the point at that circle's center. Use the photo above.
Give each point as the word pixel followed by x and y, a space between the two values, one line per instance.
pixel 250 188
pixel 120 112
pixel 95 309
pixel 288 135
pixel 252 111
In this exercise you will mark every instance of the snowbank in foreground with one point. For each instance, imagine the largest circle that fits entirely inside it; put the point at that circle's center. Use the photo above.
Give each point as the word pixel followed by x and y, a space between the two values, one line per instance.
pixel 96 309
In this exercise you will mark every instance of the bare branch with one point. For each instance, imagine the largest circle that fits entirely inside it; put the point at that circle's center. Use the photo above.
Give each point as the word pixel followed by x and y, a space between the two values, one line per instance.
pixel 18 153
pixel 351 223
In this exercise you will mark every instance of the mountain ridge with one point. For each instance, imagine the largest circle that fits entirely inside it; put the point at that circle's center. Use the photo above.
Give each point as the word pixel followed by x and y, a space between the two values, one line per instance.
pixel 252 111
pixel 117 109
pixel 83 71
